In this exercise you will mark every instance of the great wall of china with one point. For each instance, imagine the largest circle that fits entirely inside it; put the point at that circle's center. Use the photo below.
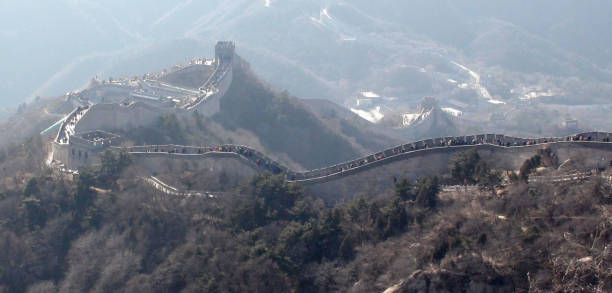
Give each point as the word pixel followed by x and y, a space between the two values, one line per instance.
pixel 81 139
pixel 375 173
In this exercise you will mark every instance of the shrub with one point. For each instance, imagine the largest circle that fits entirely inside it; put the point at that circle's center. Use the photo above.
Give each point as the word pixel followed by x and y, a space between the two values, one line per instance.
pixel 427 192
pixel 529 165
pixel 467 167
pixel 270 198
pixel 404 190
pixel 464 166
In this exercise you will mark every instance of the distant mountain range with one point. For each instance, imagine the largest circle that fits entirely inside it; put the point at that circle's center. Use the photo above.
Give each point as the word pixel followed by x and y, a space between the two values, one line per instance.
pixel 326 49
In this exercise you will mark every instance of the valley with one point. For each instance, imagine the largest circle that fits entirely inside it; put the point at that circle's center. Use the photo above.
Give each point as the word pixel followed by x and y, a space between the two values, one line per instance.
pixel 305 146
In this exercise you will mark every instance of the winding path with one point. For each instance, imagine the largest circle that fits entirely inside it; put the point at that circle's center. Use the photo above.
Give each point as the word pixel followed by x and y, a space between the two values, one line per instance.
pixel 210 86
pixel 171 190
pixel 266 164
pixel 67 128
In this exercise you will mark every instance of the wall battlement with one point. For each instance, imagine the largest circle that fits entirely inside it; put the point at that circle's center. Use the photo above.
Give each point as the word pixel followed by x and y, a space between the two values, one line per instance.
pixel 225 50
pixel 375 175
pixel 598 140
pixel 415 159
pixel 513 146
pixel 152 101
pixel 410 160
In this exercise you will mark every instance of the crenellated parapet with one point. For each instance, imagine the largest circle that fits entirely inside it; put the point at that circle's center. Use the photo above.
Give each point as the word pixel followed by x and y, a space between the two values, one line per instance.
pixel 450 144
pixel 225 51
pixel 143 102
pixel 68 126
pixel 83 135
pixel 83 149
pixel 445 143
pixel 373 173
pixel 213 89
pixel 499 142
pixel 410 160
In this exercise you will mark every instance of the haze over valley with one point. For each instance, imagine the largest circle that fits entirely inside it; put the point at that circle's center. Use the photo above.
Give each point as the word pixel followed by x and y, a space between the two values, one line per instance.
pixel 475 57
pixel 305 146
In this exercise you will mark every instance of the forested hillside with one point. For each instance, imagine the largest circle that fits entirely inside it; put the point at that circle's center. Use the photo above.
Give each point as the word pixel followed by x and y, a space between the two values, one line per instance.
pixel 107 231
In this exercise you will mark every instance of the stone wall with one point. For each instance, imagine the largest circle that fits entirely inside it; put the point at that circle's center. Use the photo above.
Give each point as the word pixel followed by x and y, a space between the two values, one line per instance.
pixel 369 179
pixel 74 155
pixel 212 104
pixel 216 87
pixel 118 116
pixel 443 142
pixel 218 163
pixel 344 181
pixel 191 68
pixel 106 93
pixel 124 117
pixel 378 177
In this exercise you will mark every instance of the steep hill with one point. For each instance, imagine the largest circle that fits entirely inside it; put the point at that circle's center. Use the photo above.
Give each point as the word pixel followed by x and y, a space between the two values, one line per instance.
pixel 431 121
pixel 282 123
pixel 364 134
pixel 31 118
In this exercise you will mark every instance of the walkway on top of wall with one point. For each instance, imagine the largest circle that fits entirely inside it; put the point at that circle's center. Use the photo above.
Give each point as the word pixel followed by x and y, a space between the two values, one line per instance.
pixel 213 81
pixel 69 123
pixel 264 163
pixel 171 190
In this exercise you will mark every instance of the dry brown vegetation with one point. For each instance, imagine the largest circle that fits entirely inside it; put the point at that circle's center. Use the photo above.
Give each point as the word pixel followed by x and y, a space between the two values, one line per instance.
pixel 539 239
pixel 60 235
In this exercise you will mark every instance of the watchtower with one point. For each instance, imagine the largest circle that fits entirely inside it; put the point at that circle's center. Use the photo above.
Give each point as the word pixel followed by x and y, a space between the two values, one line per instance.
pixel 225 50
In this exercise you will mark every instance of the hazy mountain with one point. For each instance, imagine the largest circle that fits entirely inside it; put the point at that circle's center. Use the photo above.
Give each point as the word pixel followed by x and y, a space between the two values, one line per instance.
pixel 359 131
pixel 325 49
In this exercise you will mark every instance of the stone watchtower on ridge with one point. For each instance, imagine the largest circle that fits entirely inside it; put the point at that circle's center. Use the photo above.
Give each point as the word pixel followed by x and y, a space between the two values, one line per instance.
pixel 224 51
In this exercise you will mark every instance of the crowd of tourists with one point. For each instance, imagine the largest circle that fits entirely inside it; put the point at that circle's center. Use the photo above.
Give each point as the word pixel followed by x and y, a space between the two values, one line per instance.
pixel 67 128
pixel 253 156
pixel 214 81
pixel 267 164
